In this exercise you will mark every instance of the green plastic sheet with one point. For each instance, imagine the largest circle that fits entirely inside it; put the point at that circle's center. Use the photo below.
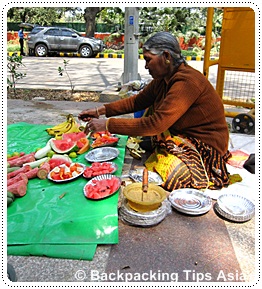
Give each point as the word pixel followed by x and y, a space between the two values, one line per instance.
pixel 42 223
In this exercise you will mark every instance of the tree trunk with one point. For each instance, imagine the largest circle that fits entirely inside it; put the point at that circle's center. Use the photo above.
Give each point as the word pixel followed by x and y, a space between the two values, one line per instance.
pixel 90 19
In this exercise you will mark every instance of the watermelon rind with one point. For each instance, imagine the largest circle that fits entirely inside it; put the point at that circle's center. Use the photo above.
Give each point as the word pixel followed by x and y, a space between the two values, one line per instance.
pixel 57 146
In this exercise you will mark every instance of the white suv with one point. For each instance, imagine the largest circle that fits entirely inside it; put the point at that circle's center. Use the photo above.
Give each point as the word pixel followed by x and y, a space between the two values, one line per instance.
pixel 45 40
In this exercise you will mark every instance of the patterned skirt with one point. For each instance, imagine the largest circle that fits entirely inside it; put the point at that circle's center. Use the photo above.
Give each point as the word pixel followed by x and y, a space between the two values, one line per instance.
pixel 187 162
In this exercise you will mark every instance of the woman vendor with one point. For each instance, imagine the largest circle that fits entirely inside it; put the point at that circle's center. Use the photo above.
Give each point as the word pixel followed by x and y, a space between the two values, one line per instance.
pixel 184 118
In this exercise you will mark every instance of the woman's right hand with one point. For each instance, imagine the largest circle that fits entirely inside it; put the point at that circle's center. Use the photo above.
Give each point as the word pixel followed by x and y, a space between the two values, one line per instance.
pixel 87 115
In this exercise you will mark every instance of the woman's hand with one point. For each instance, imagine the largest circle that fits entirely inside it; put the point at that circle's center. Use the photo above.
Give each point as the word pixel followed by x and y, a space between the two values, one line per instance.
pixel 87 115
pixel 94 125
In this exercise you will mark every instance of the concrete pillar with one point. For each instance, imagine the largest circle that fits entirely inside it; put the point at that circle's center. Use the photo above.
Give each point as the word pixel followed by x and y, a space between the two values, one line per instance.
pixel 131 43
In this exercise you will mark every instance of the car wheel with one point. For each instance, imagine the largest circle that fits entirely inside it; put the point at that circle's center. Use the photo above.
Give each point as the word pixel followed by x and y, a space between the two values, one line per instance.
pixel 41 50
pixel 85 51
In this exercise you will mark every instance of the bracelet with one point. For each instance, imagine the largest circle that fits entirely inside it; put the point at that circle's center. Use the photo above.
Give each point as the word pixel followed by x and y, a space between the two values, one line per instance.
pixel 97 112
pixel 107 123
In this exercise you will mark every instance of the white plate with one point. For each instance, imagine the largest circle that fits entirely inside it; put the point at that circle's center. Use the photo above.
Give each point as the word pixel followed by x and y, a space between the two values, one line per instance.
pixel 190 201
pixel 66 180
pixel 102 154
pixel 113 165
pixel 99 178
pixel 235 207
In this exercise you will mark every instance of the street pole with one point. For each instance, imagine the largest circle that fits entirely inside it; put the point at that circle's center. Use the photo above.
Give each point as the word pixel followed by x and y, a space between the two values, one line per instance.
pixel 131 45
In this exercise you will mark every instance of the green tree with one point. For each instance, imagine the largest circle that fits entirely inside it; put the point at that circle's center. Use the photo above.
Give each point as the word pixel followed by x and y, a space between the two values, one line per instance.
pixel 112 15
pixel 38 15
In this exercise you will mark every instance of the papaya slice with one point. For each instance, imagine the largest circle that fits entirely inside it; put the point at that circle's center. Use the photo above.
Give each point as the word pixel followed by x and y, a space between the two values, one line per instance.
pixel 85 147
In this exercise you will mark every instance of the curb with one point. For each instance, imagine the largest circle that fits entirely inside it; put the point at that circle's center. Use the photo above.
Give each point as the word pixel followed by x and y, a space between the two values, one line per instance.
pixel 115 55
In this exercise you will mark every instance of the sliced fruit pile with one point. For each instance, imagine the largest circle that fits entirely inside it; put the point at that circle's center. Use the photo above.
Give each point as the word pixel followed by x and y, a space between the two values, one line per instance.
pixel 101 133
pixel 97 169
pixel 99 189
pixel 74 143
pixel 65 172
pixel 103 138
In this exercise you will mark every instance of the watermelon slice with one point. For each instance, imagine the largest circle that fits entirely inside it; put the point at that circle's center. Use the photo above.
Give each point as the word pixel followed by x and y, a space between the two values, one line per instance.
pixel 63 146
pixel 74 136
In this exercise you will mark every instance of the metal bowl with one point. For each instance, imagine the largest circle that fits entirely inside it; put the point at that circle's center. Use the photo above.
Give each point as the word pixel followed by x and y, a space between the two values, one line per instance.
pixel 144 202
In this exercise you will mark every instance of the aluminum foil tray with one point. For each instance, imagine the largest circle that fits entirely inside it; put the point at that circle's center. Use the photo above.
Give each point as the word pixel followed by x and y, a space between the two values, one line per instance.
pixel 235 207
pixel 153 178
pixel 145 219
pixel 102 154
pixel 190 201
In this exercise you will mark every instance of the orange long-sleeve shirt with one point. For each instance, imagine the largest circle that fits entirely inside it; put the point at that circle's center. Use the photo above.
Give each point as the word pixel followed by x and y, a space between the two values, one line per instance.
pixel 188 105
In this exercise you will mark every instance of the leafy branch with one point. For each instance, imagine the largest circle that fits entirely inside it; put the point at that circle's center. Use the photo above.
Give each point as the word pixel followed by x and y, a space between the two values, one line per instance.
pixel 14 62
pixel 63 69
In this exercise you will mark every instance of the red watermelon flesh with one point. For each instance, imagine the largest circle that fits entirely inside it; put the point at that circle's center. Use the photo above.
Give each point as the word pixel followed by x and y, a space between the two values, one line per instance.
pixel 62 146
pixel 54 162
pixel 74 136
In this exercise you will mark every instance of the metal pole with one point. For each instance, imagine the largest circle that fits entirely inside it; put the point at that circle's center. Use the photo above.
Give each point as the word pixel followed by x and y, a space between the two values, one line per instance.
pixel 131 45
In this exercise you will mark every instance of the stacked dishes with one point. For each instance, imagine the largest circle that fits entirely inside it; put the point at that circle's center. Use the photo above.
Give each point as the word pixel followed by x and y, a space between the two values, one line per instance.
pixel 235 207
pixel 143 219
pixel 190 201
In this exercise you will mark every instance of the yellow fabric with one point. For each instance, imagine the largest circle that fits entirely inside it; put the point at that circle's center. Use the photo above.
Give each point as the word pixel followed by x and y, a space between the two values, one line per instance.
pixel 162 162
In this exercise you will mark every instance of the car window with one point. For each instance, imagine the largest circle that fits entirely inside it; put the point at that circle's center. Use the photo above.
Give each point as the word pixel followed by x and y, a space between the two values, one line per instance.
pixel 52 32
pixel 74 31
pixel 66 33
pixel 36 30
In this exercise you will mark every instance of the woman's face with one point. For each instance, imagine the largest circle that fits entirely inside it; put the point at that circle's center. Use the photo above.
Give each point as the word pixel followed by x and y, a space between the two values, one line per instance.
pixel 156 65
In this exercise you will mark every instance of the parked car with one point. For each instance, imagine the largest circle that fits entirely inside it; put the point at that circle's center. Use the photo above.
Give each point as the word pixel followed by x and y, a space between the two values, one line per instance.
pixel 46 40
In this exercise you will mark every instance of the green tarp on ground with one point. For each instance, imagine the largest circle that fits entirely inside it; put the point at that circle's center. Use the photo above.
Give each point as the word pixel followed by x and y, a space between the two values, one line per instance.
pixel 41 223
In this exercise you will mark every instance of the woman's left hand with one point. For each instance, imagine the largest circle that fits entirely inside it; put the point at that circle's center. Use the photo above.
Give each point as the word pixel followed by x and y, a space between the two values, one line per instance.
pixel 95 125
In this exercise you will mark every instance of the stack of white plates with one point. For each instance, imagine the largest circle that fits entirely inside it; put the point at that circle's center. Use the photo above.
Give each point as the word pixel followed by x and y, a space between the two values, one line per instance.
pixel 235 207
pixel 143 219
pixel 190 201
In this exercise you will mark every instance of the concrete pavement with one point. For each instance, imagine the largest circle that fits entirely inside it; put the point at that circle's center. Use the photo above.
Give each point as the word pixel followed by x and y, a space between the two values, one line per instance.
pixel 91 74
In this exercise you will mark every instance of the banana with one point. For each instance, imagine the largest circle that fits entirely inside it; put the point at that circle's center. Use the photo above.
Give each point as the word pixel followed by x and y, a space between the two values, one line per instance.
pixel 74 128
pixel 68 126
pixel 57 127
pixel 58 135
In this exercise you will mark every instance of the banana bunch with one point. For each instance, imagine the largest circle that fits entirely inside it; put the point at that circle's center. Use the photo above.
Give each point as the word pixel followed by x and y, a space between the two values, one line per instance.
pixel 134 147
pixel 68 126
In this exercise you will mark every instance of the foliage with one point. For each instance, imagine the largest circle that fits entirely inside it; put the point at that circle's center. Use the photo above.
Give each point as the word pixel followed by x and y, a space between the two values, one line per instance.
pixel 112 15
pixel 38 15
pixel 64 69
pixel 14 62
pixel 186 53
pixel 12 47
pixel 110 50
